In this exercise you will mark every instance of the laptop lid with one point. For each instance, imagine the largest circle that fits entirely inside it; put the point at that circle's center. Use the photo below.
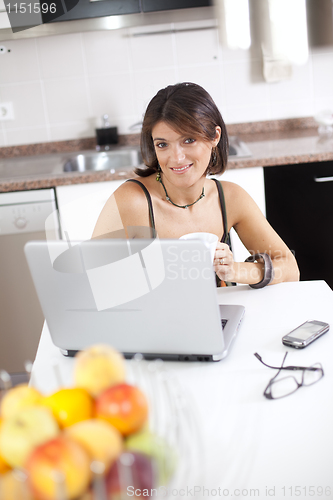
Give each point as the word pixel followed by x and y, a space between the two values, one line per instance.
pixel 156 297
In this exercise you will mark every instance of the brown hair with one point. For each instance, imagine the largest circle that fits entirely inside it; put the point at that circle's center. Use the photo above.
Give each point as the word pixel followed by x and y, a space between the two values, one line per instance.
pixel 187 108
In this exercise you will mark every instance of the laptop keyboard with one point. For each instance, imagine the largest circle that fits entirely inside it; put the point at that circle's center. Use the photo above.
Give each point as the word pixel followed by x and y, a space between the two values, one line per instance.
pixel 224 322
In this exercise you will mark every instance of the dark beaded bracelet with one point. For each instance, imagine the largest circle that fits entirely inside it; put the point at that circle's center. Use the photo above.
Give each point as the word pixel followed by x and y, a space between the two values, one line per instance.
pixel 268 270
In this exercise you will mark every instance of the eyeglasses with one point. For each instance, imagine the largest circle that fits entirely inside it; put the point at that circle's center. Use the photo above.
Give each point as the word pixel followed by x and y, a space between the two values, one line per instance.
pixel 279 388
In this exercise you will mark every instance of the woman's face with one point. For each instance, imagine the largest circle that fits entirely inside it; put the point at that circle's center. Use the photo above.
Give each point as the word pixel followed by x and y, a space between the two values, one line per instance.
pixel 182 158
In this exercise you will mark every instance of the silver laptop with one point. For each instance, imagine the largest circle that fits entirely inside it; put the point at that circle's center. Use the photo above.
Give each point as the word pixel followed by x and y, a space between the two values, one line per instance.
pixel 156 297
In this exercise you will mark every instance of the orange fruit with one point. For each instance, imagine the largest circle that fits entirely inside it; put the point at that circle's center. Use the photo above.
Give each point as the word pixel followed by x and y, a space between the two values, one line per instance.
pixel 70 405
pixel 4 467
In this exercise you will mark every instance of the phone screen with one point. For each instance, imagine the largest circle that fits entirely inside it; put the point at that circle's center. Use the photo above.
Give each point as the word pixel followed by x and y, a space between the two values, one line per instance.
pixel 305 331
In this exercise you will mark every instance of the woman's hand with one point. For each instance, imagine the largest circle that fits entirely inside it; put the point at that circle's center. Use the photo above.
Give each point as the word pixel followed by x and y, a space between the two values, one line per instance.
pixel 224 262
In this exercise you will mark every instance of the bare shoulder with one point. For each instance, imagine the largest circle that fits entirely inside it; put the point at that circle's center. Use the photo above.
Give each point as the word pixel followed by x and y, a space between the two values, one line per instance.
pixel 235 194
pixel 232 189
pixel 239 204
pixel 127 206
pixel 130 194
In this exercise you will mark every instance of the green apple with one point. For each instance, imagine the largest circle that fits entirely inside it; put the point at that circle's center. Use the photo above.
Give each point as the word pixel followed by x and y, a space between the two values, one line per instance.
pixel 19 397
pixel 155 446
pixel 25 430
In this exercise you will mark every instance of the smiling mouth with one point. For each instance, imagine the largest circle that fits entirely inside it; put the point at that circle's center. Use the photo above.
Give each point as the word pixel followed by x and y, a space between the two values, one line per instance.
pixel 181 169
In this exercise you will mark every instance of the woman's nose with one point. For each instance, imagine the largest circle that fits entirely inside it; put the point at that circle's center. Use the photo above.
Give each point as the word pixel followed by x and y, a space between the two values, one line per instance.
pixel 178 154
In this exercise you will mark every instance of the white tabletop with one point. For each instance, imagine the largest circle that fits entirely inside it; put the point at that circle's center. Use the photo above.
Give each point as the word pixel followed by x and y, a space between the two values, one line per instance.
pixel 254 447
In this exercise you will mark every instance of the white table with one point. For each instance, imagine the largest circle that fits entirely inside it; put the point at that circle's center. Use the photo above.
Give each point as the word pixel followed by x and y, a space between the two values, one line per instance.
pixel 254 448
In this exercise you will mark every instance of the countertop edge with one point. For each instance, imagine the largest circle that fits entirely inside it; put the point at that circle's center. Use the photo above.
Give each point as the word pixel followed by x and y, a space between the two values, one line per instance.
pixel 66 179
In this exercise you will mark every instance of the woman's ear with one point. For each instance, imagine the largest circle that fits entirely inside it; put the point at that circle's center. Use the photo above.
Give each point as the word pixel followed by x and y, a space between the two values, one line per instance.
pixel 217 135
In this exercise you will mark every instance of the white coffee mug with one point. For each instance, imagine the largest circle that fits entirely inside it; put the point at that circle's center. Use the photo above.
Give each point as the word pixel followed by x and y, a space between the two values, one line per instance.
pixel 209 239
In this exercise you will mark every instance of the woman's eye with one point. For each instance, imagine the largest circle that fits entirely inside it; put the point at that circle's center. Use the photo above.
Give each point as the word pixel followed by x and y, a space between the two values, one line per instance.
pixel 161 145
pixel 189 141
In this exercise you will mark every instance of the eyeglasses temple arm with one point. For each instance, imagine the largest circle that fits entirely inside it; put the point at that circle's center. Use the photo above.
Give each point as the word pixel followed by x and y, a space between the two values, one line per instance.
pixel 269 366
pixel 311 368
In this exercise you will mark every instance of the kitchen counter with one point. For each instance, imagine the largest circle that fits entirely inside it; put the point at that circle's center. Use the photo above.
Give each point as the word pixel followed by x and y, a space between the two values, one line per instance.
pixel 271 143
pixel 284 148
pixel 44 171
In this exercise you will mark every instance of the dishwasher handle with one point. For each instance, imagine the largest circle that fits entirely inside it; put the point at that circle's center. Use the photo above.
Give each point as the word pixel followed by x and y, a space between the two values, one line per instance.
pixel 323 179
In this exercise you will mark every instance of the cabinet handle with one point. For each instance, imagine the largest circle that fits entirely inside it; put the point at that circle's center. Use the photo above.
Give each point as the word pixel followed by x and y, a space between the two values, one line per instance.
pixel 323 179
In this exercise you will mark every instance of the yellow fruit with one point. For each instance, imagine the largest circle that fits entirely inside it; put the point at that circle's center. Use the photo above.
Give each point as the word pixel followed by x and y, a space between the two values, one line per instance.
pixel 98 367
pixel 70 405
pixel 102 441
pixel 12 487
pixel 17 398
pixel 4 467
pixel 22 432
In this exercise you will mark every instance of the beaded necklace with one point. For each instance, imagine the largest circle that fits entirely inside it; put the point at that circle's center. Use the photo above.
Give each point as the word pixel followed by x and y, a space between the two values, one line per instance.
pixel 159 179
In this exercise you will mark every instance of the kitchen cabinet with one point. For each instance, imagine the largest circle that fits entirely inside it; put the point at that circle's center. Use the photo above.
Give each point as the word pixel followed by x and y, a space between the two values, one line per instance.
pixel 252 180
pixel 84 9
pixel 23 215
pixel 80 204
pixel 4 21
pixel 155 5
pixel 299 205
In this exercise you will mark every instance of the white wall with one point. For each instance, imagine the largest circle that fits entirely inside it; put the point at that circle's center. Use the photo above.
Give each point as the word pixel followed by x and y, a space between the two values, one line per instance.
pixel 59 85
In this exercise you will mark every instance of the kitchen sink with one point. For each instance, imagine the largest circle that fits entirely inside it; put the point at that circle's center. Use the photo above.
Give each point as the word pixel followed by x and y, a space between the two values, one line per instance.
pixel 238 148
pixel 113 160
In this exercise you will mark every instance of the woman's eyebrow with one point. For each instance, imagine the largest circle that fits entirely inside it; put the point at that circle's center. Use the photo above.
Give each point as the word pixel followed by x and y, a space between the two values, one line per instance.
pixel 158 139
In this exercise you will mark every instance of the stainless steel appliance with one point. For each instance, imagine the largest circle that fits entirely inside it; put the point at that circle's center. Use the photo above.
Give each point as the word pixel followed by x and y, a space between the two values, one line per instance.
pixel 22 218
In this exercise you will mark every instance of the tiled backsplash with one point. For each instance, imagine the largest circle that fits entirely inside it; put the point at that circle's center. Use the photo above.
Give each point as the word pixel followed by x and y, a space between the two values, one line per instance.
pixel 61 85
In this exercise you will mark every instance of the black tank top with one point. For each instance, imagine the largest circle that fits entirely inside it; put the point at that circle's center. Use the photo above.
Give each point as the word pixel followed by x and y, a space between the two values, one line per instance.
pixel 226 236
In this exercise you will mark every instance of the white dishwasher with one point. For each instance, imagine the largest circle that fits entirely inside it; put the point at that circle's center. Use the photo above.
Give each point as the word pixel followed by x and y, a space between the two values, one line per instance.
pixel 22 218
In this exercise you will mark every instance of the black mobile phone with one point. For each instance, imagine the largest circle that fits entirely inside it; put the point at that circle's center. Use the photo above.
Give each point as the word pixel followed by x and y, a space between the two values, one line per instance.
pixel 306 333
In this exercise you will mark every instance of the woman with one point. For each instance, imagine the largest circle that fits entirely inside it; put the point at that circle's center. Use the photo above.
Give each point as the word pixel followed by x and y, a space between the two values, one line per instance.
pixel 183 140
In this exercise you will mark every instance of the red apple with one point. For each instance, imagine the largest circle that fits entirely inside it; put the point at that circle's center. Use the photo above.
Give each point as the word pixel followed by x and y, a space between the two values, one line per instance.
pixel 133 474
pixel 124 406
pixel 59 465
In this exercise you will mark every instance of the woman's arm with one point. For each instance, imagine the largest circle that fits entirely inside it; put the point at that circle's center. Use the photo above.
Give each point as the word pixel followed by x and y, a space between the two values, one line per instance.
pixel 258 236
pixel 124 214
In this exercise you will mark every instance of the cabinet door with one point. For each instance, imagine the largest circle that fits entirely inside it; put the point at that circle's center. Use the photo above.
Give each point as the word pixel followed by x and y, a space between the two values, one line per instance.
pixel 155 5
pixel 252 180
pixel 80 205
pixel 84 9
pixel 299 205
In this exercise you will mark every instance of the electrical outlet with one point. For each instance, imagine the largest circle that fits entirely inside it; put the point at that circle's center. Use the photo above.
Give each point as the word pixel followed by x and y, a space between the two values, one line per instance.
pixel 6 111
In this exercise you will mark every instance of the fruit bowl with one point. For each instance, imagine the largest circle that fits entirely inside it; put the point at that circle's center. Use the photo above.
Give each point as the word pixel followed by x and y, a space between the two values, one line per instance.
pixel 99 440
pixel 175 419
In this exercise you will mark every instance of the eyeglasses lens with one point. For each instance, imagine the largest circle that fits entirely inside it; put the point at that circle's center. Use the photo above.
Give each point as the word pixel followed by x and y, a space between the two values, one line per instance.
pixel 312 376
pixel 283 387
